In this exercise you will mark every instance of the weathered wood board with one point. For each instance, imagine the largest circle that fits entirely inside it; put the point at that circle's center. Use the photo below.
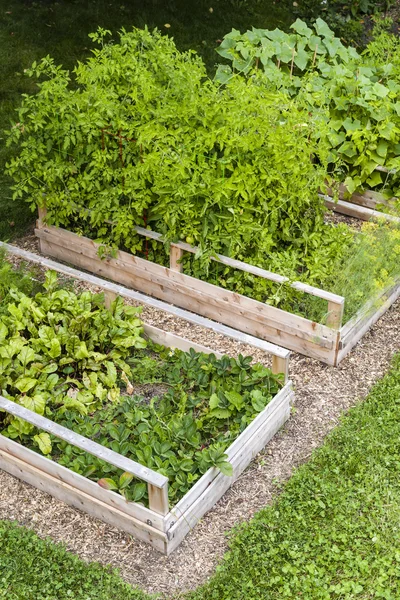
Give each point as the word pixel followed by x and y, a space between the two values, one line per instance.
pixel 248 315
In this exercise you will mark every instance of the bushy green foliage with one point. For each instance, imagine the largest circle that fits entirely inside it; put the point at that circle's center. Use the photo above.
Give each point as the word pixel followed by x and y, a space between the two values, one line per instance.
pixel 227 168
pixel 180 427
pixel 333 531
pixel 360 92
pixel 35 569
pixel 61 351
pixel 16 277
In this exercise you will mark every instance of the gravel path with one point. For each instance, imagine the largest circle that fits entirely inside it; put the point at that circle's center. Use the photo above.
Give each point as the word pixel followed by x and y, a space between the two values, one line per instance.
pixel 322 394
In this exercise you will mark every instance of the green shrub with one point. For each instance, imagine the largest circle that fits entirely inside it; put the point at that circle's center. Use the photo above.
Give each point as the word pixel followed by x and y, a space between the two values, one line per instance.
pixel 313 65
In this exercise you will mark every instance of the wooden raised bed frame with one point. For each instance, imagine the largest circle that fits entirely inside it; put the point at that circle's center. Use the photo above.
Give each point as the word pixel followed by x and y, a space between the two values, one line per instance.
pixel 161 526
pixel 329 342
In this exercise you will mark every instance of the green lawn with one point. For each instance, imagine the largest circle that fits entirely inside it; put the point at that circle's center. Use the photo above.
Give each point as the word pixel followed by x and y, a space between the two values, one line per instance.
pixel 35 569
pixel 30 30
pixel 332 534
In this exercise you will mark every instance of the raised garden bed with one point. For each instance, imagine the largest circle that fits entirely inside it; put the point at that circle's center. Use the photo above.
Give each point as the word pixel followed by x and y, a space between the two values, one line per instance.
pixel 158 523
pixel 329 342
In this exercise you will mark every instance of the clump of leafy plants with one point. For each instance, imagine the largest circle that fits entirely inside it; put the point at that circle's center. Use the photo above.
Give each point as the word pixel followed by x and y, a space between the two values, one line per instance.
pixel 89 368
pixel 181 427
pixel 360 92
pixel 12 276
pixel 147 139
pixel 62 351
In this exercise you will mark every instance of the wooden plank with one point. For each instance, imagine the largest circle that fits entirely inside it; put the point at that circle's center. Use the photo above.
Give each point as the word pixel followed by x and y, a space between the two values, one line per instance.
pixel 360 212
pixel 42 211
pixel 158 499
pixel 186 521
pixel 247 268
pixel 147 300
pixel 335 315
pixel 78 499
pixel 321 348
pixel 369 198
pixel 164 338
pixel 280 365
pixel 65 475
pixel 175 258
pixel 261 420
pixel 320 345
pixel 75 439
pixel 141 270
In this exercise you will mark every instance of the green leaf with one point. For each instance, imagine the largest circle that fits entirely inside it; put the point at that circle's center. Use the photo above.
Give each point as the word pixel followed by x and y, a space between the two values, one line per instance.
pixel 225 467
pixel 382 148
pixel 37 403
pixel 380 90
pixel 258 400
pixel 236 399
pixel 55 348
pixel 139 490
pixel 351 124
pixel 26 356
pixel 322 28
pixel 50 282
pixel 3 332
pixel 214 401
pixel 72 345
pixel 81 352
pixel 374 179
pixel 107 483
pixel 44 442
pixel 125 480
pixel 220 413
pixel 301 28
pixel 24 384
pixel 301 59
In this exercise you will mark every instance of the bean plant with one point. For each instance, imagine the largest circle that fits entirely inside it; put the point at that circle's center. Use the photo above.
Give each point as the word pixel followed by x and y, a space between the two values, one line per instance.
pixel 360 92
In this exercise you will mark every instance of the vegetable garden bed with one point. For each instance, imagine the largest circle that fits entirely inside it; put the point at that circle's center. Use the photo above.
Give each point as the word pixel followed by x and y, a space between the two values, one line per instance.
pixel 157 523
pixel 329 343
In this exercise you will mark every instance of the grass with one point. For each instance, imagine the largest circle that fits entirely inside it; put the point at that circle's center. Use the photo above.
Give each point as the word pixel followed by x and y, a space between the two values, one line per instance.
pixel 333 534
pixel 36 569
pixel 30 30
